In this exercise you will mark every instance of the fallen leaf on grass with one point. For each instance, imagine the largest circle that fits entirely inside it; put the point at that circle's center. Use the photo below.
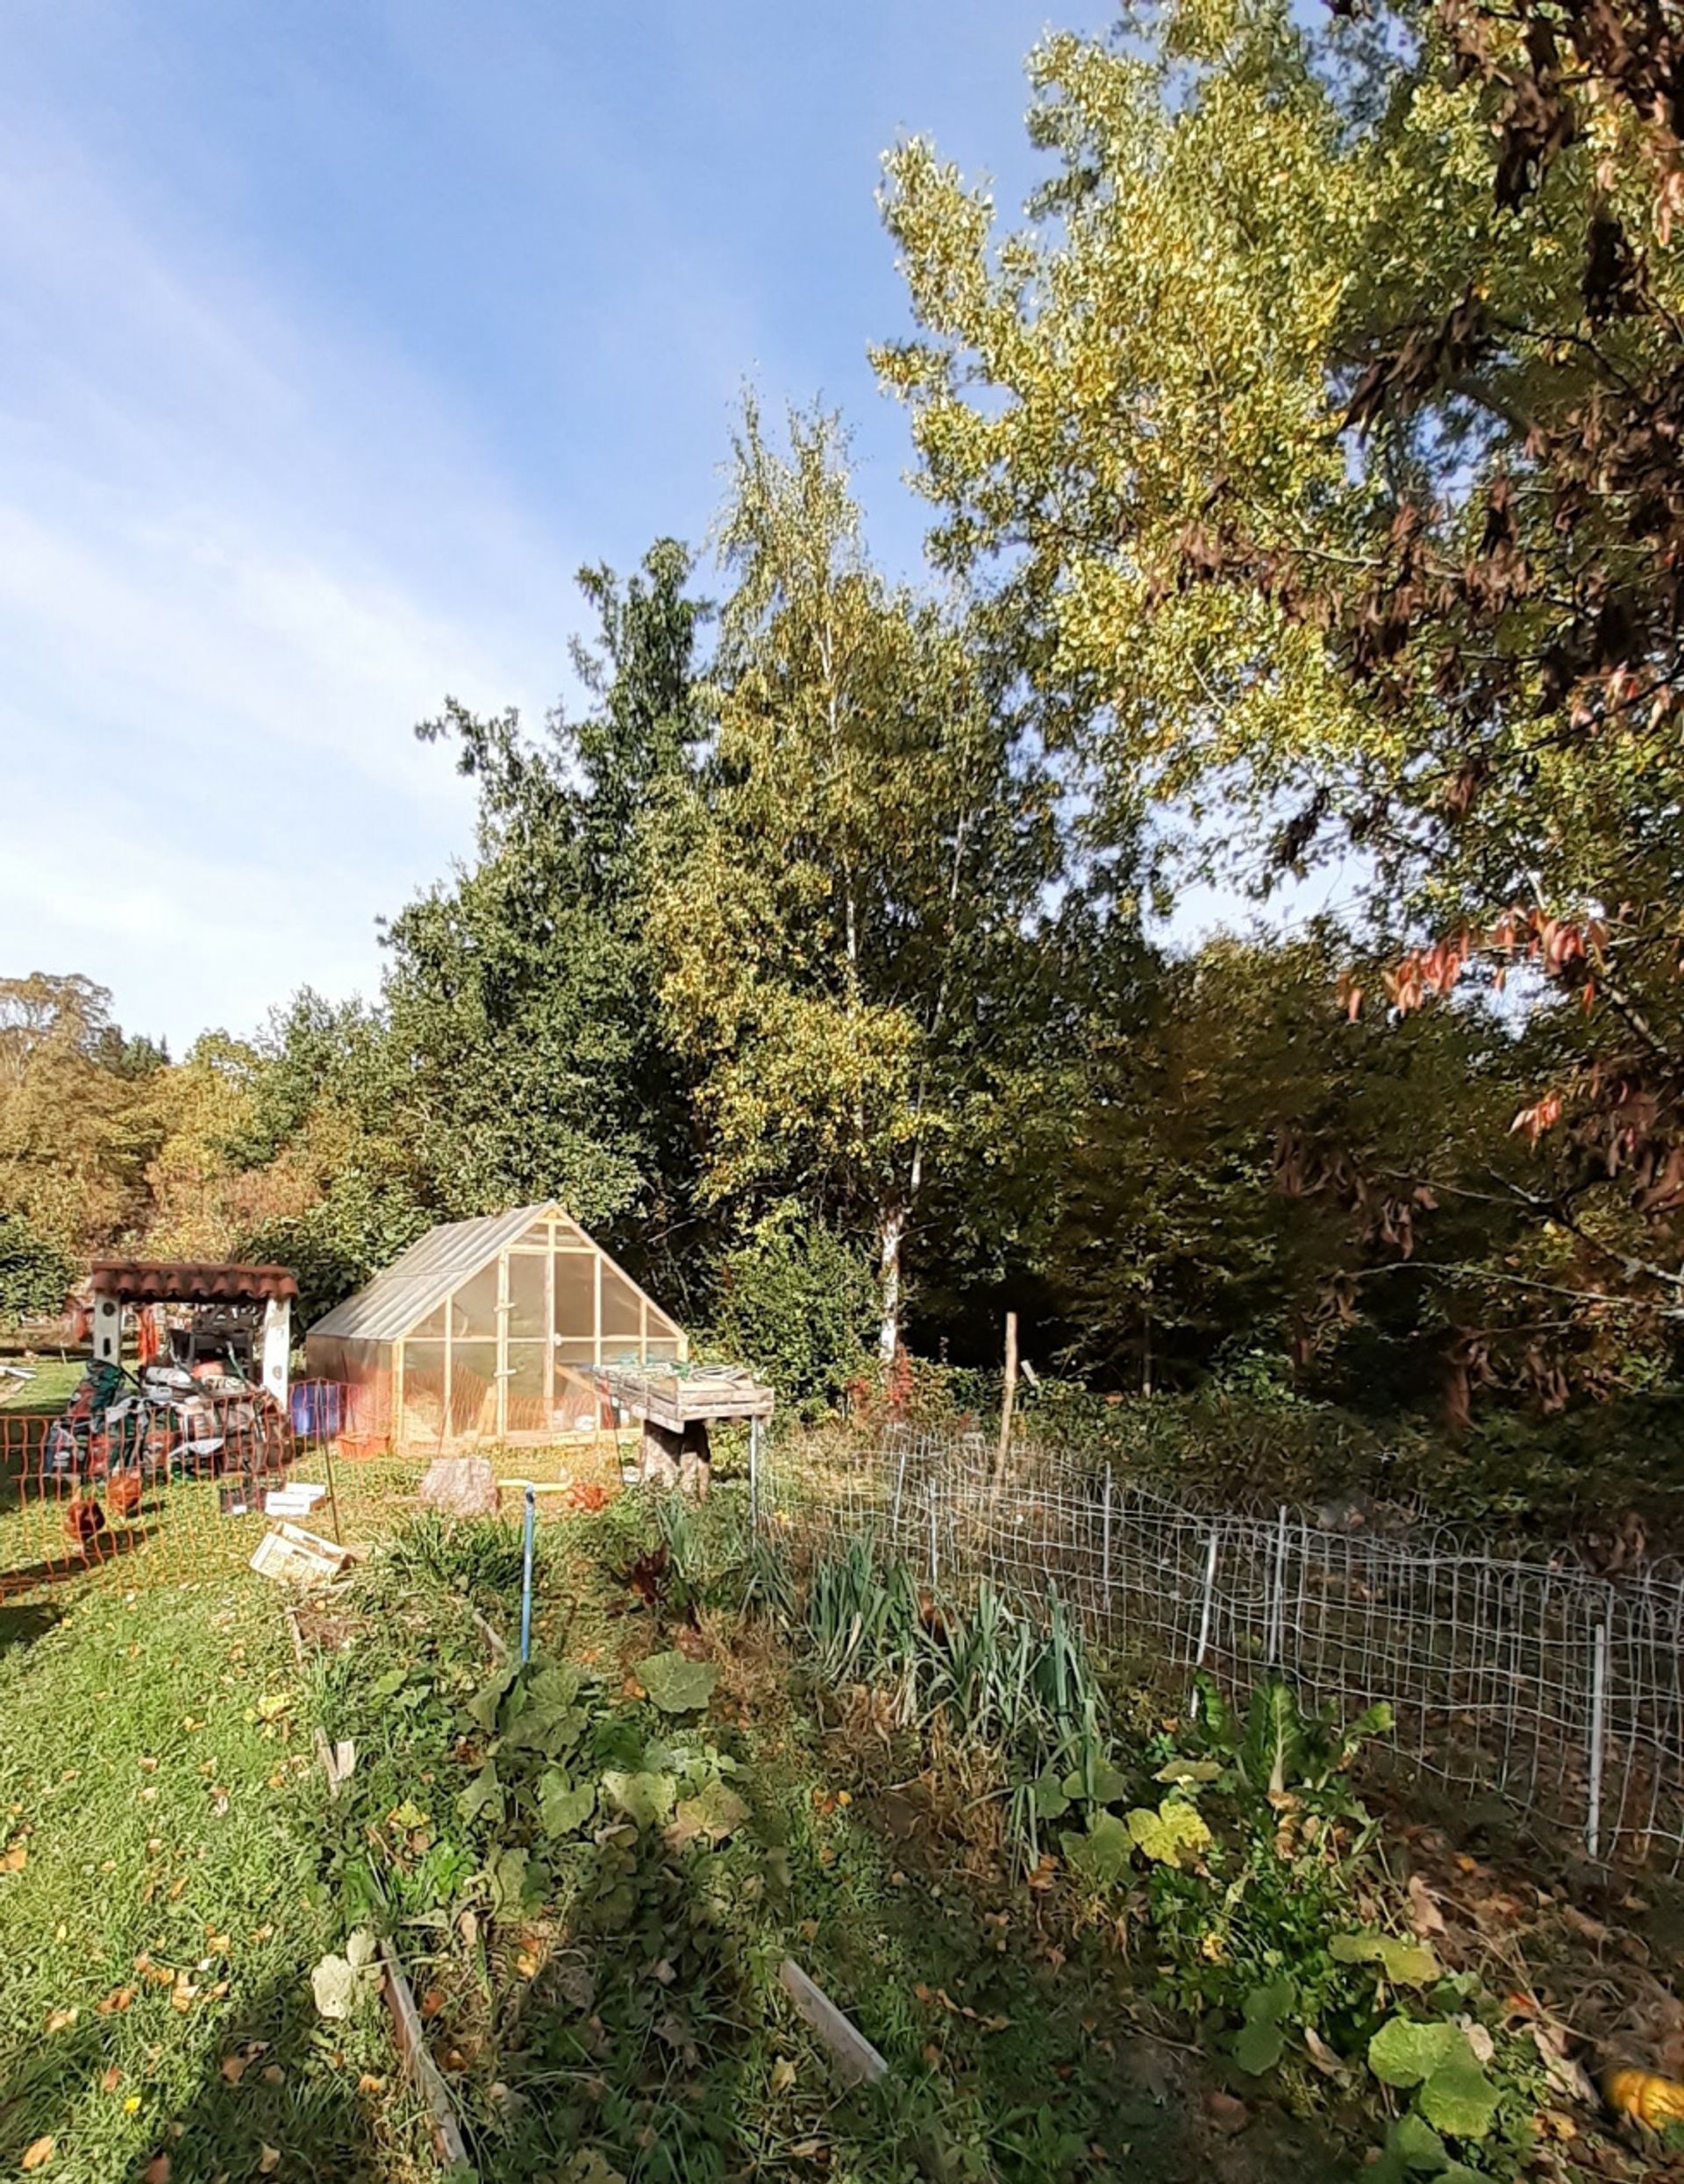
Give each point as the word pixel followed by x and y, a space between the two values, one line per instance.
pixel 369 2083
pixel 1322 2055
pixel 433 2001
pixel 36 2154
pixel 940 1996
pixel 339 1981
pixel 1425 1917
pixel 233 2068
pixel 268 2161
pixel 111 2080
pixel 783 2074
pixel 156 2171
pixel 14 1859
pixel 274 2075
pixel 60 2018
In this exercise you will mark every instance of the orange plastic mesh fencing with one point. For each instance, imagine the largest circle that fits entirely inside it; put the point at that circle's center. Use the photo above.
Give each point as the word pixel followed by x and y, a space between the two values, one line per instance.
pixel 75 1498
pixel 131 1498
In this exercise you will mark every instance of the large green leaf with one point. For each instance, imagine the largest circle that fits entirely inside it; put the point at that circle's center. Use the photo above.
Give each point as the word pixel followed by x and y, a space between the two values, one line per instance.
pixel 1415 2146
pixel 712 1813
pixel 677 1684
pixel 485 1701
pixel 646 1799
pixel 1259 2043
pixel 542 1714
pixel 1405 2051
pixel 483 1799
pixel 1175 1830
pixel 1104 1854
pixel 1183 1773
pixel 1458 2097
pixel 1047 1798
pixel 1274 1736
pixel 564 1807
pixel 1101 1782
pixel 507 1873
pixel 1405 1963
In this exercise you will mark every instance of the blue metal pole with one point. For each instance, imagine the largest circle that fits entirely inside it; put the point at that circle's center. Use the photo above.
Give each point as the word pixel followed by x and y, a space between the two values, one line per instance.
pixel 526 1578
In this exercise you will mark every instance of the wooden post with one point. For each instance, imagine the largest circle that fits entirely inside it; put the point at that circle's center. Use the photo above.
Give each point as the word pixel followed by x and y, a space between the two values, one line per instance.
pixel 1008 1399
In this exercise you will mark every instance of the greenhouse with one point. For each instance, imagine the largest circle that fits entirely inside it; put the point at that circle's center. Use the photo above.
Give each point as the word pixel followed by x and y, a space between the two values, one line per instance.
pixel 488 1331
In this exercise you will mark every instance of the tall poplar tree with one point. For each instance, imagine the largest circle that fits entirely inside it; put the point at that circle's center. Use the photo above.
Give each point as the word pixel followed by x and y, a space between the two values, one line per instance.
pixel 850 905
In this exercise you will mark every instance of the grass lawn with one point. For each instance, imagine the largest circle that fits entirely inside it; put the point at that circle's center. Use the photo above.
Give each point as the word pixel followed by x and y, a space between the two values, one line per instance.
pixel 160 1903
pixel 594 1869
pixel 52 1382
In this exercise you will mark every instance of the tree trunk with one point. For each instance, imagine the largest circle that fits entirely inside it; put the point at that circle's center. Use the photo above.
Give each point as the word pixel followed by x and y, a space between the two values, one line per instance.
pixel 891 1238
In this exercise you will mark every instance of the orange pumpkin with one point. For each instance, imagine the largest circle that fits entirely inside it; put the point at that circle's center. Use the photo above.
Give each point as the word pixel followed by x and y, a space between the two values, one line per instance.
pixel 1654 2101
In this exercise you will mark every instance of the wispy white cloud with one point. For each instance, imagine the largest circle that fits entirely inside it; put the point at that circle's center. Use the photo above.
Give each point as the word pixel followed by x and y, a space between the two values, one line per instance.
pixel 239 557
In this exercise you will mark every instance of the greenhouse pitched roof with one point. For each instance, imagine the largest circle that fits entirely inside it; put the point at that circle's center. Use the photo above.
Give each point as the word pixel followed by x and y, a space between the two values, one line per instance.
pixel 420 1281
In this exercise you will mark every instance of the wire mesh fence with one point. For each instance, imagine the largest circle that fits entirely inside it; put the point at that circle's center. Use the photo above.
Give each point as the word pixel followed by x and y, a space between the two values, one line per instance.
pixel 1536 1678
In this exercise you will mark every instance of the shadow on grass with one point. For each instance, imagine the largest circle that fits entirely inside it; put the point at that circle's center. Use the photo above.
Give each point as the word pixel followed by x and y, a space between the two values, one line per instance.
pixel 22 1624
pixel 64 1569
pixel 278 2077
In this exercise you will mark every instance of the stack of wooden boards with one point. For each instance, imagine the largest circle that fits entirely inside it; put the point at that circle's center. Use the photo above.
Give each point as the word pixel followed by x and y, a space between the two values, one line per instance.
pixel 675 1397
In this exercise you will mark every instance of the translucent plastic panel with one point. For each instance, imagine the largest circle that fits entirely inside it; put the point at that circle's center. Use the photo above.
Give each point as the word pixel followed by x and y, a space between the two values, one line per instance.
pixel 526 1364
pixel 662 1348
pixel 473 1361
pixel 474 1389
pixel 423 1365
pixel 539 1233
pixel 421 1421
pixel 578 1405
pixel 528 1296
pixel 474 1307
pixel 432 1327
pixel 575 1352
pixel 622 1309
pixel 576 1295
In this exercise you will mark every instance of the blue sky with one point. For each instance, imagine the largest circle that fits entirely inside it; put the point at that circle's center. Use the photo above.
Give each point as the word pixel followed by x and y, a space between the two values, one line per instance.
pixel 335 335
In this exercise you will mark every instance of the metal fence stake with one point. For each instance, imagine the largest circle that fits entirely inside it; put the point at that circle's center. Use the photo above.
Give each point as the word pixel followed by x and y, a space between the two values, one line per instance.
pixel 1207 1607
pixel 935 1561
pixel 1105 1548
pixel 526 1577
pixel 754 1474
pixel 1598 1725
pixel 1277 1623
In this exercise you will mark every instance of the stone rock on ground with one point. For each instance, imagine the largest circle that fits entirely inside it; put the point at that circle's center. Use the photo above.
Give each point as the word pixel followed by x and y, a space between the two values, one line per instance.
pixel 460 1485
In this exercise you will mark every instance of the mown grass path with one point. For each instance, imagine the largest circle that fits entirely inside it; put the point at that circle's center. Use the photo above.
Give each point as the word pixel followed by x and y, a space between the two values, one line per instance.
pixel 159 1906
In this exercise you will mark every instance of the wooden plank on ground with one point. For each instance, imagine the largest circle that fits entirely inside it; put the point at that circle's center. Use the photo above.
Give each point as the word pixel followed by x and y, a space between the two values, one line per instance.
pixel 855 2061
pixel 447 2140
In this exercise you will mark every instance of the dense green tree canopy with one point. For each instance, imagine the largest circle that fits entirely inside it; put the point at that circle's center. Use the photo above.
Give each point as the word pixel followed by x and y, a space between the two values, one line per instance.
pixel 1306 491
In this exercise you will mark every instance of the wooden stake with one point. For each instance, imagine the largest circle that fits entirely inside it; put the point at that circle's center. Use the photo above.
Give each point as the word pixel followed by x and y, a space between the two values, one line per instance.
pixel 855 2061
pixel 1008 1400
